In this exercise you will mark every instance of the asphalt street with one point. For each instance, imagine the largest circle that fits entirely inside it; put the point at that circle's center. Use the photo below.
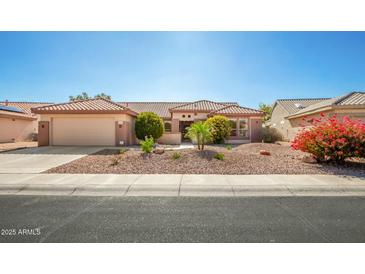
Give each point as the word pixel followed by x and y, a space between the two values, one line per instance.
pixel 181 219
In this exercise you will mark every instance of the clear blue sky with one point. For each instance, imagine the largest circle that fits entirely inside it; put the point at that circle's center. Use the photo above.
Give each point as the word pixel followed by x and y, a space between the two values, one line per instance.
pixel 247 67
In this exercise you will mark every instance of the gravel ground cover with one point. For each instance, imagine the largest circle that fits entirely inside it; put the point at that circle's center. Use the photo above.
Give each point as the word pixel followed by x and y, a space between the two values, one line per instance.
pixel 243 159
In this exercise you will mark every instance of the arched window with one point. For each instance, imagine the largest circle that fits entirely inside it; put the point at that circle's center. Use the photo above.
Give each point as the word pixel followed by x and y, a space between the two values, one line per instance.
pixel 167 126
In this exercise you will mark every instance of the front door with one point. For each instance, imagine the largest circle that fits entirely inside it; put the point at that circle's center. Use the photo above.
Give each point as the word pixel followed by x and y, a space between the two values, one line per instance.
pixel 183 129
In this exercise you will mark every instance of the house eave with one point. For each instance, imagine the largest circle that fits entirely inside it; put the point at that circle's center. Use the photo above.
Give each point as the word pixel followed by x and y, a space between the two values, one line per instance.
pixel 15 116
pixel 40 111
pixel 293 116
pixel 259 115
pixel 332 107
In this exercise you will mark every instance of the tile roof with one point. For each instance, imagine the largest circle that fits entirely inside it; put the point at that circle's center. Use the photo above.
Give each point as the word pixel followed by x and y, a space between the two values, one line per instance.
pixel 95 105
pixel 160 108
pixel 11 114
pixel 353 98
pixel 25 106
pixel 234 109
pixel 290 104
pixel 163 109
pixel 349 99
pixel 202 105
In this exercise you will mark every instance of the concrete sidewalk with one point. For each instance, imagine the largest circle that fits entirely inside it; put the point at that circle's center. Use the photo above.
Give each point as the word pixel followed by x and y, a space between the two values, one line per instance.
pixel 180 185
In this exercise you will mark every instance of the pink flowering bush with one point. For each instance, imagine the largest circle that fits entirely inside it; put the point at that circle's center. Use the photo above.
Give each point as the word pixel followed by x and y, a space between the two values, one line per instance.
pixel 330 139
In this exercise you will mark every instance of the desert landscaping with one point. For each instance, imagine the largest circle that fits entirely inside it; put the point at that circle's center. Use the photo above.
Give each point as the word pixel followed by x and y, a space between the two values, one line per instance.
pixel 242 159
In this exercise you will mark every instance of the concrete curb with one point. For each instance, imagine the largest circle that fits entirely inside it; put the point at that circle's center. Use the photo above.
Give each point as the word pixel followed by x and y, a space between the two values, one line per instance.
pixel 186 191
pixel 178 185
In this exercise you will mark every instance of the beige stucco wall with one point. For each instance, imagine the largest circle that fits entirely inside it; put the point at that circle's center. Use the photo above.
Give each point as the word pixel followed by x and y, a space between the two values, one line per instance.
pixel 170 139
pixel 17 130
pixel 85 129
pixel 198 116
pixel 290 127
pixel 296 123
pixel 280 123
pixel 354 114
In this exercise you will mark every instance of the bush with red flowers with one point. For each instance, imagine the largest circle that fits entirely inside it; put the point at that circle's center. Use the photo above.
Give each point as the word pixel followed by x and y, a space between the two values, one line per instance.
pixel 331 139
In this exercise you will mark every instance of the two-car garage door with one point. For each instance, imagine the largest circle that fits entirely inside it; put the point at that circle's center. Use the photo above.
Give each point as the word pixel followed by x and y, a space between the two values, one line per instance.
pixel 83 131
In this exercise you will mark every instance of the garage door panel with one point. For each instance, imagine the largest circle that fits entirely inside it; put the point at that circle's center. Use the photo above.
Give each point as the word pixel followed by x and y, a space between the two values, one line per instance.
pixel 83 131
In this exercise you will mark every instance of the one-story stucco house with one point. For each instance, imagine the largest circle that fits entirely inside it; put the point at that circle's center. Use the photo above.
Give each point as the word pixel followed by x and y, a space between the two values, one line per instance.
pixel 107 123
pixel 17 123
pixel 290 115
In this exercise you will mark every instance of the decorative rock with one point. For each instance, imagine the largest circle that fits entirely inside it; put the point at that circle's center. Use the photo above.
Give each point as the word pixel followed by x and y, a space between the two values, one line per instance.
pixel 265 152
pixel 309 159
pixel 159 150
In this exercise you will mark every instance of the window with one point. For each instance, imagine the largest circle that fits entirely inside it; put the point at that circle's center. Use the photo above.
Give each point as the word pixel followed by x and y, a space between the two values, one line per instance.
pixel 189 116
pixel 233 127
pixel 167 126
pixel 243 127
pixel 183 116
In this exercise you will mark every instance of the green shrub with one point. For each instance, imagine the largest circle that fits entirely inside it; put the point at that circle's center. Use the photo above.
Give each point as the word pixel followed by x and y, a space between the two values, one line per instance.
pixel 220 128
pixel 219 156
pixel 229 147
pixel 147 145
pixel 176 155
pixel 199 132
pixel 271 135
pixel 149 124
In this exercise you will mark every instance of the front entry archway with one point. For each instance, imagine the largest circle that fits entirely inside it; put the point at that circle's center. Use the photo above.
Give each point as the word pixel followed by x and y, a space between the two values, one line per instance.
pixel 183 129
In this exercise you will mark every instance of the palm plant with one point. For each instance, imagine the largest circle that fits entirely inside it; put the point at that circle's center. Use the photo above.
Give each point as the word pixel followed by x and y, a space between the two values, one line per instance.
pixel 200 133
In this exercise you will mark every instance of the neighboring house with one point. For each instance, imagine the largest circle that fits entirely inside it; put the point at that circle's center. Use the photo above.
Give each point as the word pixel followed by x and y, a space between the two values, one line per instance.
pixel 290 115
pixel 17 123
pixel 108 123
pixel 285 107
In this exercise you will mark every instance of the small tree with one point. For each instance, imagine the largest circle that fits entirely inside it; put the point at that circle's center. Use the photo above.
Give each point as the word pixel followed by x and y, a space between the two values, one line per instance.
pixel 220 128
pixel 85 96
pixel 149 124
pixel 332 139
pixel 267 110
pixel 199 132
pixel 82 96
pixel 103 95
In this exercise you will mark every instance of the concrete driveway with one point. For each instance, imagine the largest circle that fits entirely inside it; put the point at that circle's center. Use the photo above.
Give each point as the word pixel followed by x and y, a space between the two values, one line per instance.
pixel 39 159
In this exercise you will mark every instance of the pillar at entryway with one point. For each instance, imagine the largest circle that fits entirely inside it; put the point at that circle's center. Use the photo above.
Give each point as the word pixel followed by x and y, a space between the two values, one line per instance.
pixel 43 133
pixel 122 133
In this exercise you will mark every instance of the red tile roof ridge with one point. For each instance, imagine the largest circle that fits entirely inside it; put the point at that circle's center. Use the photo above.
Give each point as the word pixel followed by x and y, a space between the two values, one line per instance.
pixel 84 100
pixel 235 106
pixel 198 101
